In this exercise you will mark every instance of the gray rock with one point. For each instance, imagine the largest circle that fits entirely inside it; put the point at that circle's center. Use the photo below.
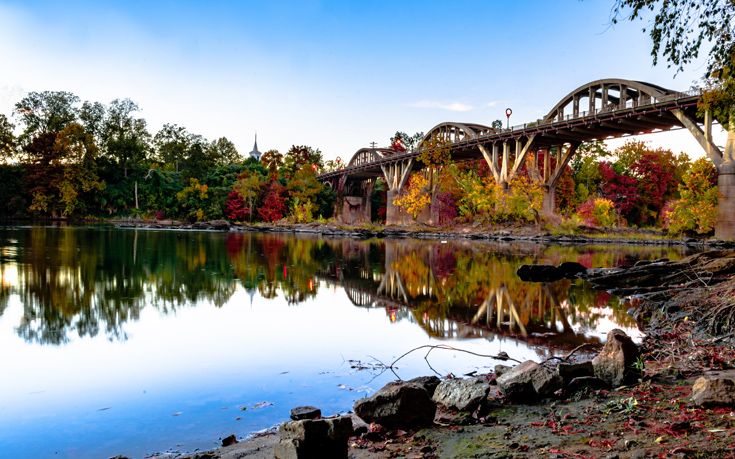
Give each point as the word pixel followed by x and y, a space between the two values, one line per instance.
pixel 305 412
pixel 428 382
pixel 528 382
pixel 221 225
pixel 569 371
pixel 462 394
pixel 397 405
pixel 500 370
pixel 200 225
pixel 718 391
pixel 314 438
pixel 539 273
pixel 617 362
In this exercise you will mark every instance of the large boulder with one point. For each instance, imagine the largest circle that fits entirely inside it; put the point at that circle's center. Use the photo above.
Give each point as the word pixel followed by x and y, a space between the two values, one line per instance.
pixel 539 273
pixel 618 362
pixel 397 405
pixel 462 394
pixel 221 225
pixel 314 438
pixel 717 391
pixel 529 382
pixel 429 383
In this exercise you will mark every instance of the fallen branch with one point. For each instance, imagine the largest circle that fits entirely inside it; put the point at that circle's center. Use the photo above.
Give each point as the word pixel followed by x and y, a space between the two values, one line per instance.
pixel 566 357
pixel 501 356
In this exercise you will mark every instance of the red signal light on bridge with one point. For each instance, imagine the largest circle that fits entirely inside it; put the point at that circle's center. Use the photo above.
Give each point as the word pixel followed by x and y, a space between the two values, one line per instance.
pixel 508 112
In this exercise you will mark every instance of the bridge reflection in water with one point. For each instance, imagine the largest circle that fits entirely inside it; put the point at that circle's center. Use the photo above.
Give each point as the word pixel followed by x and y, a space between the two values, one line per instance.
pixel 463 290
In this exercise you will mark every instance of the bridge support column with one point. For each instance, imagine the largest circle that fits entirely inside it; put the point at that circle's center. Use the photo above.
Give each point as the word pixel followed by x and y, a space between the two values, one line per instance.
pixel 548 201
pixel 725 226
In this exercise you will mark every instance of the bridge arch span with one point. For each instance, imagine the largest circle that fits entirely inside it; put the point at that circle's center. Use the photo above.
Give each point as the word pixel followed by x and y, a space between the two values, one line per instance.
pixel 456 132
pixel 366 155
pixel 623 92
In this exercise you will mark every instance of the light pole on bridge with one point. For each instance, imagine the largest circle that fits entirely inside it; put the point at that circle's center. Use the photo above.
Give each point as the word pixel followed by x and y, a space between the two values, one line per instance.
pixel 508 112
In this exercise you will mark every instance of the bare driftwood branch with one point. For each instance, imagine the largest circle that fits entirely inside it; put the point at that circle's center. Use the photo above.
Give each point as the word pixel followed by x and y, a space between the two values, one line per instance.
pixel 501 356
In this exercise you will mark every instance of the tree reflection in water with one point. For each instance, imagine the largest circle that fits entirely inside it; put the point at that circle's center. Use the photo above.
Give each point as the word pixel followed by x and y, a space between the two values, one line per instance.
pixel 94 280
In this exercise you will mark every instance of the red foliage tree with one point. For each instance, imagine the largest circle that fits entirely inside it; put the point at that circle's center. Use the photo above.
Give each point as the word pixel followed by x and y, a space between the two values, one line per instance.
pixel 274 204
pixel 565 191
pixel 656 185
pixel 235 208
pixel 620 189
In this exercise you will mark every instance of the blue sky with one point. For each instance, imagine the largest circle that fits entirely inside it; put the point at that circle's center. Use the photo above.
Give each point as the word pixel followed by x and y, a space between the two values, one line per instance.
pixel 335 75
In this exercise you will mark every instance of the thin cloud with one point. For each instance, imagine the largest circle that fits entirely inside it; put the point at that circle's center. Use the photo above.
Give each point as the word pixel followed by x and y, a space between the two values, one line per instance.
pixel 454 106
pixel 492 104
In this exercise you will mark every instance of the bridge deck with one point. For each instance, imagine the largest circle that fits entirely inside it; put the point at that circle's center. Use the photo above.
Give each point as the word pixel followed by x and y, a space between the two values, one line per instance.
pixel 601 124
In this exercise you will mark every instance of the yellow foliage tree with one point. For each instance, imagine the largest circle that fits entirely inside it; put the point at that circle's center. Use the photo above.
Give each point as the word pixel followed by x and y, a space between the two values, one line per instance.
pixel 415 196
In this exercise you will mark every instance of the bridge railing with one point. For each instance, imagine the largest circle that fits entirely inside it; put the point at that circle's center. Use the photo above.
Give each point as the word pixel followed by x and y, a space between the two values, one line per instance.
pixel 631 103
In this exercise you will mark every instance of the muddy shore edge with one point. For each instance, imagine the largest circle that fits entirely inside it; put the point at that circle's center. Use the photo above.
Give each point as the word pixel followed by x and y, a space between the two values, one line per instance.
pixel 533 234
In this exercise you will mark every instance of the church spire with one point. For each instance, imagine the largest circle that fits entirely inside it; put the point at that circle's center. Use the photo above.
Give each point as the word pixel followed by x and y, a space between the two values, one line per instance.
pixel 255 153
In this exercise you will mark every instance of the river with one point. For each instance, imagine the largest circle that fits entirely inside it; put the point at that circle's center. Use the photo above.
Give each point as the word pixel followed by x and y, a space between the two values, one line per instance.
pixel 142 341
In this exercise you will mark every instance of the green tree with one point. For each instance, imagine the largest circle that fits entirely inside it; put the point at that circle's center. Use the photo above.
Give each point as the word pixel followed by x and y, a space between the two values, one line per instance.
pixel 223 152
pixel 171 144
pixel 7 139
pixel 126 138
pixel 678 31
pixel 198 159
pixel 48 111
pixel 409 142
pixel 92 116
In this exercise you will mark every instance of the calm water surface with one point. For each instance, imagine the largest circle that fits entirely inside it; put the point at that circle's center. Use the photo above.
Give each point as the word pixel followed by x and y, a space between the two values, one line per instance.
pixel 139 341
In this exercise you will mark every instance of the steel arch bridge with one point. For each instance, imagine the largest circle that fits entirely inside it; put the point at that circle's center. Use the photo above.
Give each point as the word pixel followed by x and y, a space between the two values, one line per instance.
pixel 599 110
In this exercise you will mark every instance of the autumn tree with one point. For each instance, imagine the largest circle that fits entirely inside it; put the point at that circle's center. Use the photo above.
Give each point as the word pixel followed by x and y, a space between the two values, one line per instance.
pixel 697 208
pixel 248 187
pixel 436 156
pixel 194 199
pixel 302 156
pixel 272 160
pixel 415 197
pixel 274 204
pixel 79 153
pixel 303 189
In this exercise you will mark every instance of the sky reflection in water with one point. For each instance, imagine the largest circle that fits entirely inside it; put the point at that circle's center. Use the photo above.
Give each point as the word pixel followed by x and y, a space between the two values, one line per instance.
pixel 130 342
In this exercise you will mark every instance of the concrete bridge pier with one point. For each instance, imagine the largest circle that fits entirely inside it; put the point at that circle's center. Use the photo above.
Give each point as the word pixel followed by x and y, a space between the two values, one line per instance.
pixel 725 226
pixel 355 210
pixel 548 201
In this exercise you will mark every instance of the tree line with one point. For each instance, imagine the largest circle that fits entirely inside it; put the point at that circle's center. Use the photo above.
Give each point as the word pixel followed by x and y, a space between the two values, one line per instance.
pixel 86 159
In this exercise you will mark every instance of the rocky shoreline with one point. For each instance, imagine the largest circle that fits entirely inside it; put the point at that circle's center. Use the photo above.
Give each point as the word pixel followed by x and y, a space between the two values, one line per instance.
pixel 671 397
pixel 509 234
